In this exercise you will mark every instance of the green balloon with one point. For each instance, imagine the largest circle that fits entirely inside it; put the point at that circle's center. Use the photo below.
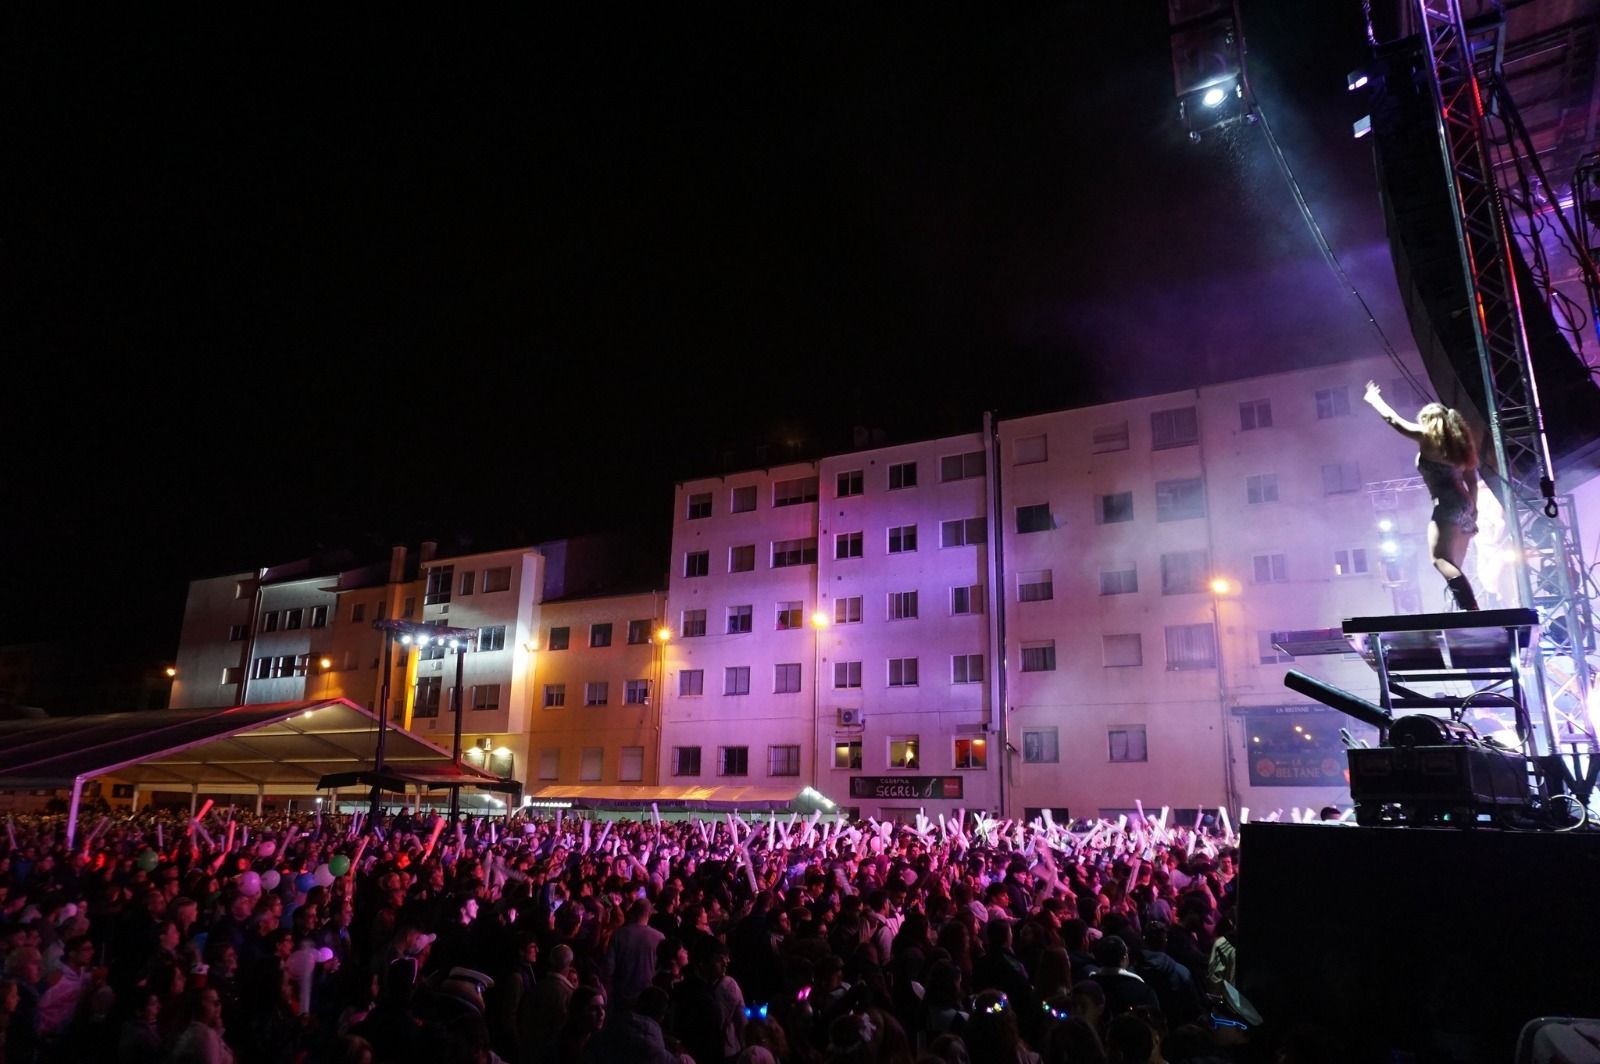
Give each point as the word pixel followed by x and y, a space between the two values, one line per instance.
pixel 147 860
pixel 339 865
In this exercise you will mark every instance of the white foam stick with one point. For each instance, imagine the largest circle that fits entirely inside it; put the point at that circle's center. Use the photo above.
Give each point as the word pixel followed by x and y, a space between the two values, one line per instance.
pixel 493 836
pixel 230 812
pixel 558 821
pixel 586 833
pixel 161 844
pixel 244 838
pixel 1347 815
pixel 1164 811
pixel 433 839
pixel 655 816
pixel 1244 815
pixel 811 826
pixel 1199 815
pixel 1192 840
pixel 1122 823
pixel 288 840
pixel 1227 825
pixel 461 838
pixel 1139 805
pixel 11 832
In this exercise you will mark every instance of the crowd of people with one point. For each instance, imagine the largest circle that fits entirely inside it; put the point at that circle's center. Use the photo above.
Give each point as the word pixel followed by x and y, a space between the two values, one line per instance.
pixel 225 937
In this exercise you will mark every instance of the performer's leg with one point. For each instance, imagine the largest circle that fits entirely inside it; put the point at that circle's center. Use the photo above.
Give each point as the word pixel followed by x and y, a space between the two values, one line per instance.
pixel 1449 548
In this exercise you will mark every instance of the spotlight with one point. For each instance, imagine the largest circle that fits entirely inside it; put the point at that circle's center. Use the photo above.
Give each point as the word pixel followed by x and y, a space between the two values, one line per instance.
pixel 1390 547
pixel 1386 525
pixel 1213 97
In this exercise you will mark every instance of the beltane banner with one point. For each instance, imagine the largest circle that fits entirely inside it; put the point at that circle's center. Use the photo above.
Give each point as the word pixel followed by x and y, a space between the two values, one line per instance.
pixel 912 787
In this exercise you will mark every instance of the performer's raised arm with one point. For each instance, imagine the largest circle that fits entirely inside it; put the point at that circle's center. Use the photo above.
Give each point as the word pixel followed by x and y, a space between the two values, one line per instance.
pixel 1374 398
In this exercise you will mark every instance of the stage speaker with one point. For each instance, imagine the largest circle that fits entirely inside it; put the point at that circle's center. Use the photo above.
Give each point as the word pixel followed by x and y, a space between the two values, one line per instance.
pixel 1439 943
pixel 1415 191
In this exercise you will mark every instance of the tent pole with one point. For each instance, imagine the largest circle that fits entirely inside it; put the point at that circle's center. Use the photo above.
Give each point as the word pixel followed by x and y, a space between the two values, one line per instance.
pixel 194 799
pixel 72 810
pixel 261 791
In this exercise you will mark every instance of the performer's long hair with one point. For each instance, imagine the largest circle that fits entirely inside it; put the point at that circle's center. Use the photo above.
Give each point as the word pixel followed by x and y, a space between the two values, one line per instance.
pixel 1448 435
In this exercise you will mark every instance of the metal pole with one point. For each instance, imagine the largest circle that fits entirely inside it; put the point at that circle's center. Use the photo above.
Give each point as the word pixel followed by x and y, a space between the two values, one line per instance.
pixel 455 748
pixel 383 721
pixel 261 790
pixel 72 810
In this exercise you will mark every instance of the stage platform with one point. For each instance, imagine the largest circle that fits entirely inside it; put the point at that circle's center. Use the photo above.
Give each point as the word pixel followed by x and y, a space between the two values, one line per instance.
pixel 1435 942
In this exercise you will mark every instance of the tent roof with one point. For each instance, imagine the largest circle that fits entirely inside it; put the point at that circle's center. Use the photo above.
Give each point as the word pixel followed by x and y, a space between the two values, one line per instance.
pixel 284 744
pixel 675 797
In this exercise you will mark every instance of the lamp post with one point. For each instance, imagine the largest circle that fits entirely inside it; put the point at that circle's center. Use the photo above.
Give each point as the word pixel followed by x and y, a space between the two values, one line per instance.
pixel 417 634
pixel 660 638
pixel 819 621
pixel 1222 586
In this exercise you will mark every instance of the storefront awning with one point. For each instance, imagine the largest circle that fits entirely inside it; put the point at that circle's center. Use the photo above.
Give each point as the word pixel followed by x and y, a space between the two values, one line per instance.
pixel 710 799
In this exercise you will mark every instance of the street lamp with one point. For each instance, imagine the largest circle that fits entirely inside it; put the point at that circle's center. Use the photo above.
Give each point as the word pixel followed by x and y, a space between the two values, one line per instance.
pixel 819 621
pixel 660 638
pixel 1221 586
pixel 417 634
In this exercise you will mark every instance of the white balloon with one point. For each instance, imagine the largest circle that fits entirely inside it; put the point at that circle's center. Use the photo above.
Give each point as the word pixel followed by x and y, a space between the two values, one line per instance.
pixel 270 879
pixel 322 876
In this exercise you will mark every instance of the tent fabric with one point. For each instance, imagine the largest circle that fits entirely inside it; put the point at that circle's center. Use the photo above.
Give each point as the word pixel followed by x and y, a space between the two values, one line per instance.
pixel 754 799
pixel 281 745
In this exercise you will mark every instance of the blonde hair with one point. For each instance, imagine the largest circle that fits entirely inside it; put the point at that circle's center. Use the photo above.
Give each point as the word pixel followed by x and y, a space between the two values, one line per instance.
pixel 1447 434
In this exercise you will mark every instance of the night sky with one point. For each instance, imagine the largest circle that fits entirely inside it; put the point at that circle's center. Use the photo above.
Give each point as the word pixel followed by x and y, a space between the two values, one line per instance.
pixel 271 287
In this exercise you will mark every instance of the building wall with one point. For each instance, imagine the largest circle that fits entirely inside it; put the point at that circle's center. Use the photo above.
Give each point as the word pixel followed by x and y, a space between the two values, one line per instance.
pixel 281 667
pixel 211 662
pixel 615 741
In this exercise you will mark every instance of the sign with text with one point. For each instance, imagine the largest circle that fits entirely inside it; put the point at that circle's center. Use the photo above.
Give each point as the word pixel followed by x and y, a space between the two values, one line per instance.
pixel 912 787
pixel 1294 746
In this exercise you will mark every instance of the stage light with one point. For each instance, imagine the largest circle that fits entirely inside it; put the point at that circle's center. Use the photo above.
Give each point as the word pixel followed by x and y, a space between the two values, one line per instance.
pixel 1213 97
pixel 1386 525
pixel 1389 546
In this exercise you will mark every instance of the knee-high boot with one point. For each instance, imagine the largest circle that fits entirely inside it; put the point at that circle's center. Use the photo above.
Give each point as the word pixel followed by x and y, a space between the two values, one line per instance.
pixel 1462 590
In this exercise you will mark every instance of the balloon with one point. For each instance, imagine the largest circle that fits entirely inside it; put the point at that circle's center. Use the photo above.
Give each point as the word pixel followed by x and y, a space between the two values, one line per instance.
pixel 266 848
pixel 270 879
pixel 304 882
pixel 322 876
pixel 339 865
pixel 147 860
pixel 249 884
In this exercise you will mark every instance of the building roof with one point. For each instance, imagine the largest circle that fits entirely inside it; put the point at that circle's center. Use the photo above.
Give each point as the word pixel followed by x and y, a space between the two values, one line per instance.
pixel 281 745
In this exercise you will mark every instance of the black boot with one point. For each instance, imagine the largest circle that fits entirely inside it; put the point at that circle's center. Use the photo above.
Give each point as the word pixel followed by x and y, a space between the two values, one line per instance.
pixel 1462 590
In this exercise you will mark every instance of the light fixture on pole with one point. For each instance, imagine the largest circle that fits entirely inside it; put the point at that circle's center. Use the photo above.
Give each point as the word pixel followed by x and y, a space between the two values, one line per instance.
pixel 1220 586
pixel 819 621
pixel 416 634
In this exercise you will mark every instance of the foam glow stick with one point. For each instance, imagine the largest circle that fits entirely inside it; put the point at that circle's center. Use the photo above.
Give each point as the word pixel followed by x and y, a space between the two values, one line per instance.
pixel 604 832
pixel 228 847
pixel 244 839
pixel 11 832
pixel 160 842
pixel 1139 805
pixel 1227 826
pixel 655 816
pixel 586 832
pixel 433 840
pixel 1199 815
pixel 204 809
pixel 1244 815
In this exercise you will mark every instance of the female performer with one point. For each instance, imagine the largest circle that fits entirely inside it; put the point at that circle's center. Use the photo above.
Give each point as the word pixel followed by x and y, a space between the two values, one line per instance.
pixel 1447 458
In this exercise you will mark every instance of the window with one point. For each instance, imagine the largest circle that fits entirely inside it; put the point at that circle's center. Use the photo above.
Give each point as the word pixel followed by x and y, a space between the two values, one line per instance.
pixel 238 632
pixel 639 632
pixel 596 692
pixel 847 610
pixel 1183 572
pixel 1036 585
pixel 560 638
pixel 636 692
pixel 1035 518
pixel 1119 581
pixel 269 621
pixel 492 637
pixel 1191 646
pixel 1109 438
pixel 789 616
pixel 319 616
pixel 283 665
pixel 437 591
pixel 1261 487
pixel 1351 562
pixel 233 674
pixel 786 678
pixel 1030 449
pixel 847 753
pixel 686 761
pixel 847 545
pixel 961 466
pixel 1114 508
pixel 434 651
pixel 485 696
pixel 600 634
pixel 1270 568
pixel 694 623
pixel 261 668
pixel 742 559
pixel 733 761
pixel 549 764
pixel 1127 743
pixel 787 552
pixel 902 605
pixel 302 664
pixel 1332 402
pixel 742 500
pixel 1121 651
pixel 358 612
pixel 902 475
pixel 846 674
pixel 783 760
pixel 1268 654
pixel 903 752
pixel 970 753
pixel 1255 414
pixel 1177 427
pixel 902 672
pixel 591 761
pixel 740 619
pixel 496 579
pixel 1177 500
pixel 691 683
pixel 1341 478
pixel 902 539
pixel 408 606
pixel 555 695
pixel 848 483
pixel 630 764
pixel 1041 746
pixel 964 600
pixel 736 680
pixel 696 563
pixel 699 505
pixel 1039 656
pixel 428 691
pixel 293 619
pixel 964 532
pixel 966 668
pixel 468 582
pixel 794 492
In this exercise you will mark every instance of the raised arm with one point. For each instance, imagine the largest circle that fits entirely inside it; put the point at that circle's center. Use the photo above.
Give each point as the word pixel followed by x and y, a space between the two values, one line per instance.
pixel 1374 399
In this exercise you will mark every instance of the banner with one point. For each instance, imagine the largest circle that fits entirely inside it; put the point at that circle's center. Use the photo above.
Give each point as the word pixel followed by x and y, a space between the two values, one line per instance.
pixel 915 788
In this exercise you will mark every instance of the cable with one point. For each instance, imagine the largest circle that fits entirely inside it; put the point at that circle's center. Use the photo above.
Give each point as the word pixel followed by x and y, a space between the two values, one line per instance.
pixel 1328 255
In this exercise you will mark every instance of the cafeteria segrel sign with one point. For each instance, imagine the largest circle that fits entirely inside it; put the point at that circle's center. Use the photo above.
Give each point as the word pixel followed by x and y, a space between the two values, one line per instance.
pixel 916 787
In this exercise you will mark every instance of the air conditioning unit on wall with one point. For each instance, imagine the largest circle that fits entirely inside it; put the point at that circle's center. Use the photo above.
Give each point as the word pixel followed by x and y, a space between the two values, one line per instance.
pixel 851 718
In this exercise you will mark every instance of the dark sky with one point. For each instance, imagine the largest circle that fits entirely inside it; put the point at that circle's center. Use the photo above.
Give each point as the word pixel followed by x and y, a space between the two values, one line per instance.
pixel 271 286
